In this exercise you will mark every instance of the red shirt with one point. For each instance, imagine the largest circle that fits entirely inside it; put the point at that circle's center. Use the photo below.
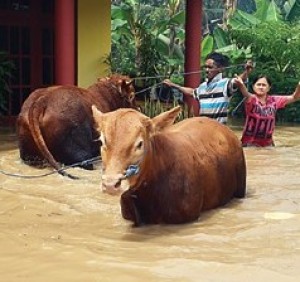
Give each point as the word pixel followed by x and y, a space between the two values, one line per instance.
pixel 260 120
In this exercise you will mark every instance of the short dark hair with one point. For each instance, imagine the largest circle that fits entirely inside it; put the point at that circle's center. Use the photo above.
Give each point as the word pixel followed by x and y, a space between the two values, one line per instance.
pixel 219 59
pixel 255 79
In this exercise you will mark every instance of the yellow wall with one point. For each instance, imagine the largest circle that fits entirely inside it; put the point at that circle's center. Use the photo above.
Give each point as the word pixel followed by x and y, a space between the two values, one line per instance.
pixel 94 40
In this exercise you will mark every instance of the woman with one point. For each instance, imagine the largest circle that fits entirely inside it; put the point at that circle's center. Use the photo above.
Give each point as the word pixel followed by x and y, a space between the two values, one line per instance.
pixel 261 110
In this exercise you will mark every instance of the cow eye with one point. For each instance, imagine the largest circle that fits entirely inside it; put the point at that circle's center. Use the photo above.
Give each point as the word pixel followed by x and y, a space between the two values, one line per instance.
pixel 139 145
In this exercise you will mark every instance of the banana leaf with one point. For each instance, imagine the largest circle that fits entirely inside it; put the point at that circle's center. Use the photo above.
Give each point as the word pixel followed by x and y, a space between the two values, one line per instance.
pixel 292 10
pixel 221 37
pixel 163 43
pixel 241 20
pixel 207 46
pixel 267 11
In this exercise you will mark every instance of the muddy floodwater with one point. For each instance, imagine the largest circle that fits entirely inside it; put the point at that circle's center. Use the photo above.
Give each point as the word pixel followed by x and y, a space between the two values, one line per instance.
pixel 56 229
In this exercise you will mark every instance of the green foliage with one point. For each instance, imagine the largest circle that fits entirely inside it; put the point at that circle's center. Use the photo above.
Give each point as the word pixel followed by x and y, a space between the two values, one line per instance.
pixel 267 10
pixel 272 41
pixel 221 38
pixel 276 44
pixel 207 46
pixel 292 10
pixel 291 113
pixel 6 68
pixel 246 5
pixel 145 42
pixel 241 20
pixel 153 108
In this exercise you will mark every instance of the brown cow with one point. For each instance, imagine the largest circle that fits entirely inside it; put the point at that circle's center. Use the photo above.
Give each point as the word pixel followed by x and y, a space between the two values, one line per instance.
pixel 173 171
pixel 55 124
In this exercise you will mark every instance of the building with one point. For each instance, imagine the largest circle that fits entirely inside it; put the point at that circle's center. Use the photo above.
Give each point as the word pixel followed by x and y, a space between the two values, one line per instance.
pixel 53 42
pixel 67 41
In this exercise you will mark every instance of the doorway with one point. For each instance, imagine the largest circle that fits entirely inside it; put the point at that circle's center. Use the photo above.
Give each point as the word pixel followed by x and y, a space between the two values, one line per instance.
pixel 27 36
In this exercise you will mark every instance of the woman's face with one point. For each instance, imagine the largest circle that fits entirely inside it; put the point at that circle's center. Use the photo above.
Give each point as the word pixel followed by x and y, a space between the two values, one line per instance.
pixel 261 87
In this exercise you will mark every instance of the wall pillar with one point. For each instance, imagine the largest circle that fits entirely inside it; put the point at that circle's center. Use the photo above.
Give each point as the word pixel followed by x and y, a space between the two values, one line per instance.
pixel 93 40
pixel 193 35
pixel 64 42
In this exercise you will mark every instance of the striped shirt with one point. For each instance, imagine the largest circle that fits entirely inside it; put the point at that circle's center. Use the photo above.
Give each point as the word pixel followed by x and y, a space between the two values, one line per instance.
pixel 214 97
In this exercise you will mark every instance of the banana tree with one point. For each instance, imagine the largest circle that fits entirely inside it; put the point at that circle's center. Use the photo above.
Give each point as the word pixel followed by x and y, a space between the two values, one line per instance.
pixel 144 38
pixel 272 40
pixel 292 10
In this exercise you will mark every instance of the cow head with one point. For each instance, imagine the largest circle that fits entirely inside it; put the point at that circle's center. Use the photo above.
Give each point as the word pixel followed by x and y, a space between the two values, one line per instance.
pixel 126 135
pixel 122 86
pixel 126 89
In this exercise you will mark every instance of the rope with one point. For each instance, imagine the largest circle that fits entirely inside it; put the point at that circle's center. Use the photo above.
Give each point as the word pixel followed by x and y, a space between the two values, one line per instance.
pixel 85 162
pixel 234 111
pixel 176 74
pixel 185 73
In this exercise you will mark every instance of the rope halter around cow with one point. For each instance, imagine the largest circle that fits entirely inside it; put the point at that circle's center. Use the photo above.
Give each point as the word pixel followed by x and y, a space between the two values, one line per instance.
pixel 85 162
pixel 131 170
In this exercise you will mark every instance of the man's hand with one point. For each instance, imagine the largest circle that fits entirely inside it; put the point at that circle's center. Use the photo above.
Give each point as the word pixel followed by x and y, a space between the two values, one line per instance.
pixel 238 81
pixel 169 83
pixel 249 66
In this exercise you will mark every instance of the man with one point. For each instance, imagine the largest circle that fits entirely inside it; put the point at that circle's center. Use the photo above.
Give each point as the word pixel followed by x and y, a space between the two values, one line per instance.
pixel 214 94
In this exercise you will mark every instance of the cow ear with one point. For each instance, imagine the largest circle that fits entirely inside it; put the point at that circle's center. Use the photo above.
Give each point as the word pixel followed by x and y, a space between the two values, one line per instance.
pixel 165 119
pixel 103 79
pixel 120 86
pixel 123 85
pixel 97 115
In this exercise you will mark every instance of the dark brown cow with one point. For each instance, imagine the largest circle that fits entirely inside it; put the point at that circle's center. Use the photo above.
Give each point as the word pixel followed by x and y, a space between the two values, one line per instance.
pixel 55 124
pixel 173 171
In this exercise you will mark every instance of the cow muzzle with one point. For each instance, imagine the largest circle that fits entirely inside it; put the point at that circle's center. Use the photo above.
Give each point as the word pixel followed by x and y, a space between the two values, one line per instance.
pixel 111 184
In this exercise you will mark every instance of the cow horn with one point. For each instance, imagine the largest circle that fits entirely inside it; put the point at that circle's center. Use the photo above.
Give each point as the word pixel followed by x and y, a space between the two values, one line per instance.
pixel 119 86
pixel 103 79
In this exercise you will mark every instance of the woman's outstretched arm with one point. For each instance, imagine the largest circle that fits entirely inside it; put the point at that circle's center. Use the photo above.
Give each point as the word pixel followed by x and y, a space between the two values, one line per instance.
pixel 295 96
pixel 242 87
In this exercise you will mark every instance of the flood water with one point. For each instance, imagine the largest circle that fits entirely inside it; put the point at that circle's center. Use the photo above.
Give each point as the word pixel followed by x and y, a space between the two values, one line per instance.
pixel 57 229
